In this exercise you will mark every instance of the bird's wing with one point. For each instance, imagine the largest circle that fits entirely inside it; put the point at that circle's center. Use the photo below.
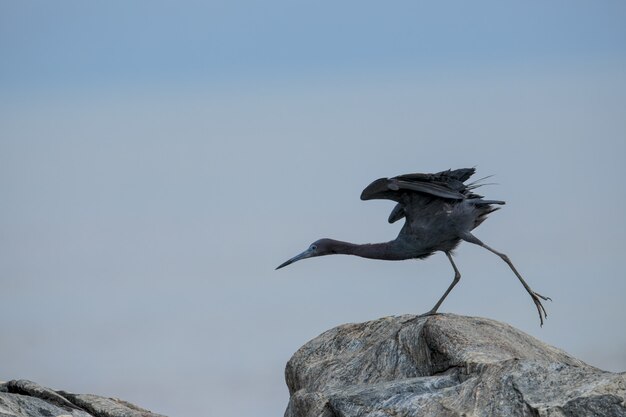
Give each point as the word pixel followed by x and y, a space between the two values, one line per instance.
pixel 461 175
pixel 394 188
pixel 446 185
pixel 397 213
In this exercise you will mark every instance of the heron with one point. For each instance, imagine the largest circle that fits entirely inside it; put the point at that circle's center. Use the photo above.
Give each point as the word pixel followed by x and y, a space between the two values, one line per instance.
pixel 440 211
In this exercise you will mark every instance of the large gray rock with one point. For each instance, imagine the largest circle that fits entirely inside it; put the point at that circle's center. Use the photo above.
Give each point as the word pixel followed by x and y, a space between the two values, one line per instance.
pixel 22 398
pixel 444 365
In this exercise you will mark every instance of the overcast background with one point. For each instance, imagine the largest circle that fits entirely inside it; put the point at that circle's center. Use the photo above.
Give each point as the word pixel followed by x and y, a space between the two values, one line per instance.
pixel 159 159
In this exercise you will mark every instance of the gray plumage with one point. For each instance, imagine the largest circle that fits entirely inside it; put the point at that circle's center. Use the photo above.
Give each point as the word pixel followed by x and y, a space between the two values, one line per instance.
pixel 440 212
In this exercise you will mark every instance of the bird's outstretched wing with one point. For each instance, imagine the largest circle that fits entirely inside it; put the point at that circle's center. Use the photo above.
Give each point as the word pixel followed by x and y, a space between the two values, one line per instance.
pixel 446 184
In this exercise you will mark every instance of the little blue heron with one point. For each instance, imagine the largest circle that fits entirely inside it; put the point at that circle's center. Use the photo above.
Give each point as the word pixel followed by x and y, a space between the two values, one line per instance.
pixel 440 211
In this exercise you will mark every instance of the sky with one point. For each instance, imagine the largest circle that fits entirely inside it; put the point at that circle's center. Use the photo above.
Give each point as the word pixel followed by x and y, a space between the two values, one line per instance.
pixel 159 159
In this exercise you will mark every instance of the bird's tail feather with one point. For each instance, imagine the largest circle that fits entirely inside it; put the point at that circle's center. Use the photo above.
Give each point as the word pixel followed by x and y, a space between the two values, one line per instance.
pixel 475 184
pixel 481 202
pixel 485 209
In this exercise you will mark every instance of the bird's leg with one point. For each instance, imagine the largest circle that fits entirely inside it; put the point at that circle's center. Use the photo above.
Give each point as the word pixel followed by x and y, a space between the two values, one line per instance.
pixel 534 295
pixel 457 278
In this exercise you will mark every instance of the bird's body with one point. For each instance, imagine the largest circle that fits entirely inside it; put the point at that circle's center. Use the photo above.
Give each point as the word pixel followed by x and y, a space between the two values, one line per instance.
pixel 440 212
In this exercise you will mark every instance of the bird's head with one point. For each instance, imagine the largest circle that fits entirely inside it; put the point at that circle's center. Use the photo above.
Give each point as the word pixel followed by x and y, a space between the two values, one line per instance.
pixel 318 248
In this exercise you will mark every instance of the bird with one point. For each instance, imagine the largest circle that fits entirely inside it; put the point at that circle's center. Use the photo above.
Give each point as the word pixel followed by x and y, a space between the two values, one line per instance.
pixel 440 212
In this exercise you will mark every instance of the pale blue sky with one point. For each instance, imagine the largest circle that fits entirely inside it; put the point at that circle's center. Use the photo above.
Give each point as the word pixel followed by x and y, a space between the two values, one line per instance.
pixel 75 44
pixel 159 159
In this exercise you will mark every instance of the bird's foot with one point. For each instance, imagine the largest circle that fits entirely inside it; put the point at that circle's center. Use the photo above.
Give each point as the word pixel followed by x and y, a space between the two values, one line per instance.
pixel 543 297
pixel 424 315
pixel 429 313
pixel 540 308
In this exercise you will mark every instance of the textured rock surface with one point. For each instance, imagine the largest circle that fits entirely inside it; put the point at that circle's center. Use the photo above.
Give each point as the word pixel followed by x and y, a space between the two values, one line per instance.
pixel 444 365
pixel 22 398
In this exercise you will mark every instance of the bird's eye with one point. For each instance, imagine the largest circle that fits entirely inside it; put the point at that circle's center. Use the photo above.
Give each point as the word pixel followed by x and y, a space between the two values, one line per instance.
pixel 313 247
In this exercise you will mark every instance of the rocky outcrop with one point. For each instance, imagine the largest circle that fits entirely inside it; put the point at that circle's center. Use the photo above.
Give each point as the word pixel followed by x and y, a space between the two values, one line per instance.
pixel 444 365
pixel 22 398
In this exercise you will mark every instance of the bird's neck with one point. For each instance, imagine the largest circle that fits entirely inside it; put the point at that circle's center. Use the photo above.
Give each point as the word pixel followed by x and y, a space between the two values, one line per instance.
pixel 385 250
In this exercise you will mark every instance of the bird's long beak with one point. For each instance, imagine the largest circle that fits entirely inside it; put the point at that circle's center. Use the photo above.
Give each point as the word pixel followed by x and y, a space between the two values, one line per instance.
pixel 306 254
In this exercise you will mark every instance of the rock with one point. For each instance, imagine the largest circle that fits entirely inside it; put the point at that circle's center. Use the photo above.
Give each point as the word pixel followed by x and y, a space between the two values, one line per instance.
pixel 23 398
pixel 444 365
pixel 17 405
pixel 108 407
pixel 29 388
